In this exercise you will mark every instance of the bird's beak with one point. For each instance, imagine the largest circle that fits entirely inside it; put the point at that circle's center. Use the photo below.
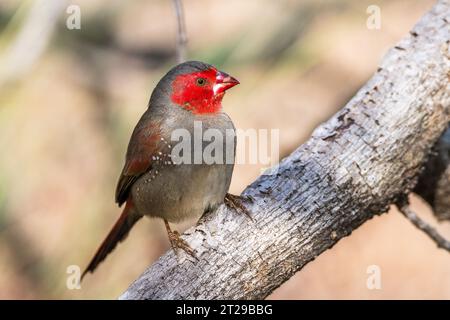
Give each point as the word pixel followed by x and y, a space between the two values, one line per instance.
pixel 224 82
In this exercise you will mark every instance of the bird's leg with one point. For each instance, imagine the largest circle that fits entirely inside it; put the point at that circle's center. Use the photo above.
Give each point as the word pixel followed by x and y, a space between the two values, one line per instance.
pixel 176 242
pixel 235 202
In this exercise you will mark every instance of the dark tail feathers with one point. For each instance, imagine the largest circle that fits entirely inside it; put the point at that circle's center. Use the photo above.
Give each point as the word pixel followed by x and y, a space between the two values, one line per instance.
pixel 118 233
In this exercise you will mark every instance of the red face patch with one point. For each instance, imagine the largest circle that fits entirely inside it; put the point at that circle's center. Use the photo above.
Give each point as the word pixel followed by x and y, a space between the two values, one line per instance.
pixel 194 92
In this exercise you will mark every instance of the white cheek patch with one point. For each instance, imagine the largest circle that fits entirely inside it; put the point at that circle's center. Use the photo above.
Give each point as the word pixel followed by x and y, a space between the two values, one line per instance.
pixel 217 87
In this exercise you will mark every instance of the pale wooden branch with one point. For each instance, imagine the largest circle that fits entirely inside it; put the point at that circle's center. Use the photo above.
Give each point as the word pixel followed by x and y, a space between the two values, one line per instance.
pixel 181 31
pixel 354 166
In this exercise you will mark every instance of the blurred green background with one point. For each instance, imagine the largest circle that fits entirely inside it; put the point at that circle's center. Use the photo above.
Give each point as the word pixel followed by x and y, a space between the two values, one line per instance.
pixel 69 100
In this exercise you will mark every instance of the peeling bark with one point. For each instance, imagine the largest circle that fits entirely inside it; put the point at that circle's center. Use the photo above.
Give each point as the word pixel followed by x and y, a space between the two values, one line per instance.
pixel 354 166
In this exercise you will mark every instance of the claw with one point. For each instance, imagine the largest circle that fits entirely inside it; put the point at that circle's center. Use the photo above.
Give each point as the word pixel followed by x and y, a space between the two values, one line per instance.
pixel 177 242
pixel 235 202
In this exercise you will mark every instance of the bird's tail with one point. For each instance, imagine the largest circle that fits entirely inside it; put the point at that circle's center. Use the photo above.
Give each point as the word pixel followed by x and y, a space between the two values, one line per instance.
pixel 118 233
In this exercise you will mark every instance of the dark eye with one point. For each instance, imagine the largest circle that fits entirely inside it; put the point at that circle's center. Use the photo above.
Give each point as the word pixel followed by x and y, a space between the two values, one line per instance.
pixel 201 81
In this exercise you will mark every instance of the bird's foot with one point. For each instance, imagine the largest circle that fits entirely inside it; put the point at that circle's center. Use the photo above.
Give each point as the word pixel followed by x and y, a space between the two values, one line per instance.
pixel 177 243
pixel 236 203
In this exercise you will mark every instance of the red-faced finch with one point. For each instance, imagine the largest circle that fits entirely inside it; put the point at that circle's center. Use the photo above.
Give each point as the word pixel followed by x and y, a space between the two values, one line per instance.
pixel 152 183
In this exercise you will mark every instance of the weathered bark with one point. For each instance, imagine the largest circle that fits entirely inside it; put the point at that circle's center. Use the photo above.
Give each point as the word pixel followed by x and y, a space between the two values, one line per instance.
pixel 354 166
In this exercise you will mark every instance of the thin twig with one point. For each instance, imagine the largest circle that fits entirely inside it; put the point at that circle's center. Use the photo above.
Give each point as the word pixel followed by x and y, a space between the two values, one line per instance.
pixel 181 31
pixel 425 227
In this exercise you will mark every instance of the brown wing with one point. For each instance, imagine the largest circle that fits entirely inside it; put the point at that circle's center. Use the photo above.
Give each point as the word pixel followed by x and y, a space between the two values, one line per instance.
pixel 143 144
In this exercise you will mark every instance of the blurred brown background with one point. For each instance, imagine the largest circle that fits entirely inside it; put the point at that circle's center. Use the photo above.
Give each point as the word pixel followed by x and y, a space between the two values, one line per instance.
pixel 69 100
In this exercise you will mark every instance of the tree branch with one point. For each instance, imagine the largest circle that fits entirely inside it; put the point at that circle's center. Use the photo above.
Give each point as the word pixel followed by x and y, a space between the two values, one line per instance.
pixel 354 166
pixel 425 227
pixel 181 31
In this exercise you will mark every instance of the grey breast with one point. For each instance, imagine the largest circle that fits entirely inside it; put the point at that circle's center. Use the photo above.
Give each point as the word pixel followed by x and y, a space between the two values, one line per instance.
pixel 177 191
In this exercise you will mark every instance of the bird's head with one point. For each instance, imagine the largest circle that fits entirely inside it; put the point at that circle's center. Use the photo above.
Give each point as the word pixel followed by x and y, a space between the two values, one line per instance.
pixel 197 87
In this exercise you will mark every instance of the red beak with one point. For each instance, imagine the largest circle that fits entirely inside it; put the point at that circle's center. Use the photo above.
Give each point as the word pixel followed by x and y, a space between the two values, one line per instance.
pixel 224 82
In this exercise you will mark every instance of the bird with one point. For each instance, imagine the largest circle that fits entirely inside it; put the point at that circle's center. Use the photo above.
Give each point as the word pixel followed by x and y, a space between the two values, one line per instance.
pixel 154 184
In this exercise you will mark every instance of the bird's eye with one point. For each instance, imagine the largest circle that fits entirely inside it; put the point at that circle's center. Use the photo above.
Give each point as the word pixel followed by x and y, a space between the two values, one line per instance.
pixel 201 81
